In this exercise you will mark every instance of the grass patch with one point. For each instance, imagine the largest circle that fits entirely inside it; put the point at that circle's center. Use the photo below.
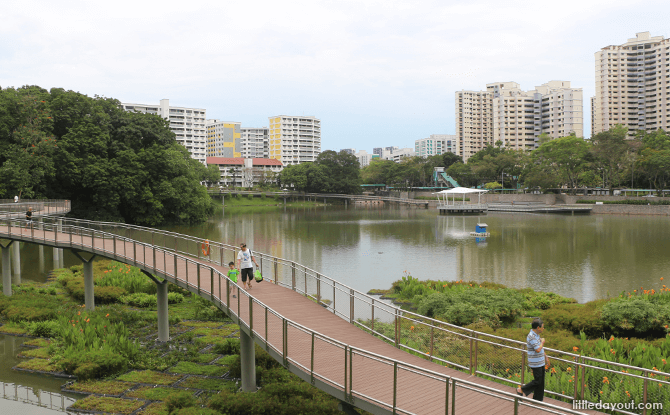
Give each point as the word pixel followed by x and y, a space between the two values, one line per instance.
pixel 44 365
pixel 12 328
pixel 210 324
pixel 227 360
pixel 101 387
pixel 209 384
pixel 210 340
pixel 196 369
pixel 205 357
pixel 156 408
pixel 37 342
pixel 226 331
pixel 149 376
pixel 155 394
pixel 42 353
pixel 105 404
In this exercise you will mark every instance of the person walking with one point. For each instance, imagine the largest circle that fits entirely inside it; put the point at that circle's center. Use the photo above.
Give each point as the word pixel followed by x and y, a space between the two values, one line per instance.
pixel 29 218
pixel 537 360
pixel 244 260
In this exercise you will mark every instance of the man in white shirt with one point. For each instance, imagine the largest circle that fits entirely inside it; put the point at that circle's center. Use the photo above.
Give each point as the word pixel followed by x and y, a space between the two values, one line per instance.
pixel 244 260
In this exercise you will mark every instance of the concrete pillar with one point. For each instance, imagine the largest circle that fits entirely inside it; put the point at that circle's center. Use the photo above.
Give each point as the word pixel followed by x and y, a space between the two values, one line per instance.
pixel 248 362
pixel 6 272
pixel 89 297
pixel 163 320
pixel 16 261
pixel 55 255
pixel 40 250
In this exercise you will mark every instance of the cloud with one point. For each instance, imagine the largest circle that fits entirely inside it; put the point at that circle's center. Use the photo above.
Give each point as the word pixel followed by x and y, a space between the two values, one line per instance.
pixel 394 63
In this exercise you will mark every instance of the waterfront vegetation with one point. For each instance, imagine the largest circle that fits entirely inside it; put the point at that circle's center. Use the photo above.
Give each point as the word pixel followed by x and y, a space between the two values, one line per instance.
pixel 112 164
pixel 236 200
pixel 113 350
pixel 630 329
pixel 609 160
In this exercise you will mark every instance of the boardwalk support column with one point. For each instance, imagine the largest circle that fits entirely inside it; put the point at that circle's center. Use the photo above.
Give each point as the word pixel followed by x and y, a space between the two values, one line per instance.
pixel 248 362
pixel 16 261
pixel 89 297
pixel 162 305
pixel 6 269
pixel 347 408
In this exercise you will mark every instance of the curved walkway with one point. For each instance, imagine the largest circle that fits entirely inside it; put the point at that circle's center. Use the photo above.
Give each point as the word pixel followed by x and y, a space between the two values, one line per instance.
pixel 310 340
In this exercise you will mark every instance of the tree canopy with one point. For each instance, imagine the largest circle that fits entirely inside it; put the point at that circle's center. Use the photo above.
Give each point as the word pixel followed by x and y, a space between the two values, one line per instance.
pixel 112 164
pixel 331 172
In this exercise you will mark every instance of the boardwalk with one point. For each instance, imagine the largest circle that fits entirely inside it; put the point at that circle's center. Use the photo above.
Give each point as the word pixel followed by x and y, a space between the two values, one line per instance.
pixel 310 340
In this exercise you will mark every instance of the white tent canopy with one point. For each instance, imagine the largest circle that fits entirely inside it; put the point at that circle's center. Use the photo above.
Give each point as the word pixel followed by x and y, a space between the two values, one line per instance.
pixel 462 190
pixel 459 191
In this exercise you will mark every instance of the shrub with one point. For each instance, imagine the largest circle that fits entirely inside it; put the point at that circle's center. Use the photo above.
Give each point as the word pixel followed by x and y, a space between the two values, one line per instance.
pixel 42 328
pixel 93 364
pixel 231 346
pixel 250 197
pixel 129 278
pixel 140 300
pixel 178 401
pixel 263 361
pixel 576 318
pixel 30 307
pixel 175 298
pixel 637 315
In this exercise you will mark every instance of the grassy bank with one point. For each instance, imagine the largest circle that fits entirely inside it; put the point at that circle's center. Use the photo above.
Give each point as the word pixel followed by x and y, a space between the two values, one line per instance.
pixel 263 200
pixel 120 366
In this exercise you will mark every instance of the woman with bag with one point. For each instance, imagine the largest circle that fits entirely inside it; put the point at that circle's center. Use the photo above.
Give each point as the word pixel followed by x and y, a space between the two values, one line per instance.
pixel 244 260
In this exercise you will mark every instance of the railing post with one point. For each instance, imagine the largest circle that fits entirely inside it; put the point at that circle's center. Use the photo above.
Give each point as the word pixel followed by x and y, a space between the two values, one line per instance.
pixel 228 295
pixel 351 374
pixel 432 341
pixel 644 396
pixel 285 341
pixel 583 379
pixel 135 252
pixel 311 367
pixel 251 316
pixel 198 275
pixel 351 305
pixel 275 262
pixel 293 275
pixel 211 286
pixel 175 266
pixel 304 274
pixel 373 315
pixel 523 367
pixel 397 335
pixel 345 371
pixel 395 386
pixel 446 398
pixel 453 396
pixel 318 287
pixel 472 372
pixel 267 346
pixel 476 353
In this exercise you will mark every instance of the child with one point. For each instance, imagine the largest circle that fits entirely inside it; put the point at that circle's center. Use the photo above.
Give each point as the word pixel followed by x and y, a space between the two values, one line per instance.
pixel 232 274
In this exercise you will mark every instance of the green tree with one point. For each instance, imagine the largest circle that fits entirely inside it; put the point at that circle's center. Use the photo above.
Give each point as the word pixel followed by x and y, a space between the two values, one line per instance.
pixel 565 157
pixel 610 149
pixel 113 165
pixel 654 159
pixel 213 175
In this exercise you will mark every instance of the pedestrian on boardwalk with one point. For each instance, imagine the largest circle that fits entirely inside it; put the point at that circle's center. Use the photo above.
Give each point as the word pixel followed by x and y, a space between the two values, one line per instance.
pixel 29 217
pixel 537 360
pixel 244 260
pixel 232 274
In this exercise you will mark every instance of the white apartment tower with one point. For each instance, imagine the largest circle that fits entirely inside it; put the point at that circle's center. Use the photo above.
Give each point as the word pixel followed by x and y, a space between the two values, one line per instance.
pixel 255 142
pixel 506 113
pixel 436 144
pixel 294 139
pixel 223 139
pixel 633 85
pixel 188 124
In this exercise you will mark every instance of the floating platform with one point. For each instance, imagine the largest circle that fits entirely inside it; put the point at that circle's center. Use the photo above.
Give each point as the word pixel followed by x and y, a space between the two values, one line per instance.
pixel 462 208
pixel 538 208
pixel 480 234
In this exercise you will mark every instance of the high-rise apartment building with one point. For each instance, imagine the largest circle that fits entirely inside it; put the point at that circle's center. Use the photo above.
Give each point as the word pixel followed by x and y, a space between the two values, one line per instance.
pixel 255 142
pixel 515 117
pixel 377 151
pixel 351 151
pixel 223 139
pixel 294 139
pixel 188 124
pixel 633 85
pixel 436 144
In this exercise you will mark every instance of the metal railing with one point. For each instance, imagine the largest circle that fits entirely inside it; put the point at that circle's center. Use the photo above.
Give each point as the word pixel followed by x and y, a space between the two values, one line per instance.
pixel 329 363
pixel 37 397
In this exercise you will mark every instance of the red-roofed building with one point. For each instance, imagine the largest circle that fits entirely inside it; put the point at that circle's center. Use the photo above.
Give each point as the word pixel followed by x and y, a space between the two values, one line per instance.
pixel 241 172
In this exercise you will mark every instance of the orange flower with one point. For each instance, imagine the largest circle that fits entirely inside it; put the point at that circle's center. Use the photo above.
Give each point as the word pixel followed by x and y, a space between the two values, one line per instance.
pixel 612 351
pixel 107 315
pixel 661 278
pixel 575 348
pixel 568 369
pixel 412 328
pixel 601 392
pixel 627 393
pixel 605 380
pixel 553 370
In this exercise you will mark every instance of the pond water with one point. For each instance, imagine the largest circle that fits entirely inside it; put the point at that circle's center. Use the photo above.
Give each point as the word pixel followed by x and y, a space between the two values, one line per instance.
pixel 585 257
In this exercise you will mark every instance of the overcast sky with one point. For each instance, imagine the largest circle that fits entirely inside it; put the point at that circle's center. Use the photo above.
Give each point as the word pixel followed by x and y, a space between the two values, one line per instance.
pixel 377 73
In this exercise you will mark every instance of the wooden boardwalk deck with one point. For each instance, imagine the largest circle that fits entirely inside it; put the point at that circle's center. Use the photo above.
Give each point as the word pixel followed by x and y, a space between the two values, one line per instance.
pixel 339 355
